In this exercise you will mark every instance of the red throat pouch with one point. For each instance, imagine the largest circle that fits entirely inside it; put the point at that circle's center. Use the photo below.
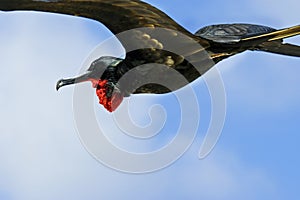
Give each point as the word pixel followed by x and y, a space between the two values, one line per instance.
pixel 111 103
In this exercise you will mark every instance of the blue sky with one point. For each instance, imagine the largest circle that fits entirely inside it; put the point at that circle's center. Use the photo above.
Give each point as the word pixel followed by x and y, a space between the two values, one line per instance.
pixel 42 156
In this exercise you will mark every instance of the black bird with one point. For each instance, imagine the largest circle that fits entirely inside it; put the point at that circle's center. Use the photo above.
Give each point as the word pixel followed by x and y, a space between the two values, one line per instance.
pixel 150 36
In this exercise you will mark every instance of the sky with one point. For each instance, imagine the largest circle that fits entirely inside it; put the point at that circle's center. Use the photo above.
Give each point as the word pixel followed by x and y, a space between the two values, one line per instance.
pixel 42 154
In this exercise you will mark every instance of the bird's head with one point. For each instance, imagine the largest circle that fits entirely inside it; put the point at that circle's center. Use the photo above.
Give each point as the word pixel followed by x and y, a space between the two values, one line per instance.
pixel 103 75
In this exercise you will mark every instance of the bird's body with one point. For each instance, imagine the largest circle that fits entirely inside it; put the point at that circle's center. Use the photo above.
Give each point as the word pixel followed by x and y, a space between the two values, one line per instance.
pixel 150 36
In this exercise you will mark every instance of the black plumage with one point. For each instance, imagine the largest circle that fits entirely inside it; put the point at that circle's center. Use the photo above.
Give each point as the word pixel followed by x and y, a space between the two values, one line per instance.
pixel 152 34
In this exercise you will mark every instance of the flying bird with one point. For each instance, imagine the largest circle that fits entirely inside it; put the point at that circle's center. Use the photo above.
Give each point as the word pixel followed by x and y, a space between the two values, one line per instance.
pixel 148 35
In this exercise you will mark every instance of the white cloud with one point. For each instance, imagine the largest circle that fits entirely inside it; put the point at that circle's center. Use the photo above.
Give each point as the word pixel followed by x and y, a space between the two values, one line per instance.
pixel 262 81
pixel 280 13
pixel 224 176
pixel 41 155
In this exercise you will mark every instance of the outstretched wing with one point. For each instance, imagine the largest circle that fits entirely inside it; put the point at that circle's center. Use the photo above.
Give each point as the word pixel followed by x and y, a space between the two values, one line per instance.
pixel 232 33
pixel 147 34
pixel 240 37
pixel 117 15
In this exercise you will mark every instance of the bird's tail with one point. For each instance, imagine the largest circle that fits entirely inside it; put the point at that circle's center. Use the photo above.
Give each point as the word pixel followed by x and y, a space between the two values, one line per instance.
pixel 280 48
pixel 274 43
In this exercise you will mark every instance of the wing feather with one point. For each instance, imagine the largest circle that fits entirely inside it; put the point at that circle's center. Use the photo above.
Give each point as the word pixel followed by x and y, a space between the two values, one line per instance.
pixel 147 34
pixel 120 16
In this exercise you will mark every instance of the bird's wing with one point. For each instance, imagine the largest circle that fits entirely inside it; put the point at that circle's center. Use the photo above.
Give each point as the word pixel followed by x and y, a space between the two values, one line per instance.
pixel 147 34
pixel 232 33
pixel 118 16
pixel 276 34
pixel 229 39
pixel 274 43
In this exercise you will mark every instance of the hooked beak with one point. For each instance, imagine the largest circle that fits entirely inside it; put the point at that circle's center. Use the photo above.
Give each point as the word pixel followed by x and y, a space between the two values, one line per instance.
pixel 70 81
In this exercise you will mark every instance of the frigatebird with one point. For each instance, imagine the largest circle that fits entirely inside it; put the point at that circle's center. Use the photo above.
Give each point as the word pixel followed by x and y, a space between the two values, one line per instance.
pixel 151 36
